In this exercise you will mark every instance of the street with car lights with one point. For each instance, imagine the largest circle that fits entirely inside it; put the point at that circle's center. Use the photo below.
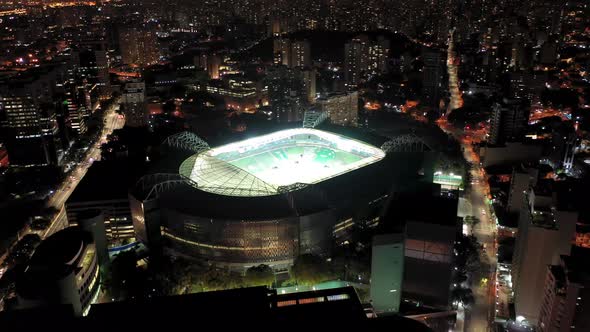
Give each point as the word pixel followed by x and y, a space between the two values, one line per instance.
pixel 59 196
pixel 480 316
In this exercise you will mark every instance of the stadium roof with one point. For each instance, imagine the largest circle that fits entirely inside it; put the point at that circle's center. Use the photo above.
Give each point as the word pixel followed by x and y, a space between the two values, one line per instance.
pixel 271 164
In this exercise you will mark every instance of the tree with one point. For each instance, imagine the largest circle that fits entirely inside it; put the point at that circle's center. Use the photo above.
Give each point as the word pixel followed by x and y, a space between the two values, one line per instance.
pixel 261 275
pixel 217 279
pixel 463 295
pixel 459 277
pixel 467 254
pixel 128 281
pixel 471 221
pixel 172 275
pixel 309 270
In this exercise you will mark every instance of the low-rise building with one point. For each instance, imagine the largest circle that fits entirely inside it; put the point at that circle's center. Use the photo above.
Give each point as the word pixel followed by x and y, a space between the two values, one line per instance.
pixel 113 203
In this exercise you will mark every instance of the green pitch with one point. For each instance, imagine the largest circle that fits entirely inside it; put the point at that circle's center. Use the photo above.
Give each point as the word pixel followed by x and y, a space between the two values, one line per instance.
pixel 294 161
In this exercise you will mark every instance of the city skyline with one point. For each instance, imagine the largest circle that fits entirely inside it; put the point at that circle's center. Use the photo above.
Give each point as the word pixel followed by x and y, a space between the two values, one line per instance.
pixel 410 162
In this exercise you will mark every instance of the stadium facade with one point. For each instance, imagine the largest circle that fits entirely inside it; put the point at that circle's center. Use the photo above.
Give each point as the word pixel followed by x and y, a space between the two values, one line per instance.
pixel 265 199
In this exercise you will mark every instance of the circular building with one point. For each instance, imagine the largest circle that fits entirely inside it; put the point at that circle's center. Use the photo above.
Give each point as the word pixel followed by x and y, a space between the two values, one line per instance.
pixel 261 200
pixel 63 270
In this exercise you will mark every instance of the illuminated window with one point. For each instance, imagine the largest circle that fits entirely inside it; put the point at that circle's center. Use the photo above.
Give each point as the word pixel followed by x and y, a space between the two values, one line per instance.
pixel 338 297
pixel 311 300
pixel 286 303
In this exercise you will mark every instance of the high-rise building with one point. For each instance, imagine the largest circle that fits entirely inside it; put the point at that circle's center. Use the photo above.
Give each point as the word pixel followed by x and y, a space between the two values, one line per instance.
pixel 355 59
pixel 387 272
pixel 521 181
pixel 527 85
pixel 379 55
pixel 300 54
pixel 566 297
pixel 342 108
pixel 93 66
pixel 509 121
pixel 575 19
pixel 309 80
pixel 291 53
pixel 281 51
pixel 286 94
pixel 28 116
pixel 539 223
pixel 432 80
pixel 139 45
pixel 277 27
pixel 545 16
pixel 351 65
pixel 74 104
pixel 134 105
pixel 212 64
pixel 30 132
pixel 200 61
pixel 364 56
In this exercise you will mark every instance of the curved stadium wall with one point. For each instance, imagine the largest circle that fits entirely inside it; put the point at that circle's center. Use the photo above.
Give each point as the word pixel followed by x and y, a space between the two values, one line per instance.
pixel 233 241
pixel 238 210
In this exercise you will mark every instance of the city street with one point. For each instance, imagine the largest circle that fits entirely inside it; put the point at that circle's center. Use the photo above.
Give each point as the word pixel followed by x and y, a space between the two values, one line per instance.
pixel 452 70
pixel 62 193
pixel 112 121
pixel 480 316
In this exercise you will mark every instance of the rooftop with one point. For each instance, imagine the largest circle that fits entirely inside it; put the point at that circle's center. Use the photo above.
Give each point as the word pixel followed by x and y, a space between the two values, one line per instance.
pixel 59 253
pixel 240 308
pixel 105 180
pixel 55 258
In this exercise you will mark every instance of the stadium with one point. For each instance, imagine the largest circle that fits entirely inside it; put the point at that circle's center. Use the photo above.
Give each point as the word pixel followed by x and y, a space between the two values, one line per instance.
pixel 264 199
pixel 271 164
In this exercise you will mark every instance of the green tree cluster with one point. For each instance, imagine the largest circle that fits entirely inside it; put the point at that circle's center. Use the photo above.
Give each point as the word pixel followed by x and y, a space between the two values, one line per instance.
pixel 261 275
pixel 309 270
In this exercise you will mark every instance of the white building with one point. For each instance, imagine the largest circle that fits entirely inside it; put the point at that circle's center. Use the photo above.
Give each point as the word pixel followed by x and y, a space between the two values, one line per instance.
pixel 63 270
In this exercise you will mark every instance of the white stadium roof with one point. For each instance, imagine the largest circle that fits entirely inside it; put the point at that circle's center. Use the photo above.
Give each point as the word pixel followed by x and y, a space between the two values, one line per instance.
pixel 266 165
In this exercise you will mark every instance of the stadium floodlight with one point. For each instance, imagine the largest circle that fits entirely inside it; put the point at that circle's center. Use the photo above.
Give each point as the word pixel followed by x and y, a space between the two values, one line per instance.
pixel 267 165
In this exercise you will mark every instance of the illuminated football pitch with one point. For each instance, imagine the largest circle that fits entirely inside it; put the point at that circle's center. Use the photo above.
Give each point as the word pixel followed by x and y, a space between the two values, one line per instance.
pixel 290 164
pixel 260 166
